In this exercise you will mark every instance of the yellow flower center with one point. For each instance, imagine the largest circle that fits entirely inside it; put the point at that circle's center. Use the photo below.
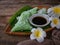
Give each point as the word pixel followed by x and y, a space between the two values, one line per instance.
pixel 37 33
pixel 56 10
pixel 55 21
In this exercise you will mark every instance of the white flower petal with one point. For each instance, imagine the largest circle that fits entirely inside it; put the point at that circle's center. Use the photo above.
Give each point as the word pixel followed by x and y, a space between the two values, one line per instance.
pixel 41 39
pixel 58 26
pixel 55 20
pixel 52 25
pixel 50 18
pixel 32 37
pixel 43 34
pixel 33 30
pixel 49 10
pixel 36 29
pixel 40 29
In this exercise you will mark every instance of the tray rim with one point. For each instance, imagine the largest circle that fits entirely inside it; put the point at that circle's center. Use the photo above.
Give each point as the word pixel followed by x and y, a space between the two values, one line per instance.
pixel 21 33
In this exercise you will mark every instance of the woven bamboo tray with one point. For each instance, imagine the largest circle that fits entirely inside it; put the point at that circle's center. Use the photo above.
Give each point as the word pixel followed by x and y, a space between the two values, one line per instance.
pixel 8 27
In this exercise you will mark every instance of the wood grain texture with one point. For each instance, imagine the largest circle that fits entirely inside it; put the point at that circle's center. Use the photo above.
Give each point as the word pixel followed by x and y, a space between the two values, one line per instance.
pixel 8 8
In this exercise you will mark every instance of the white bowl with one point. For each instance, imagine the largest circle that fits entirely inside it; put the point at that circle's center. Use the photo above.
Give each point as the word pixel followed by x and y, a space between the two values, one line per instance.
pixel 41 15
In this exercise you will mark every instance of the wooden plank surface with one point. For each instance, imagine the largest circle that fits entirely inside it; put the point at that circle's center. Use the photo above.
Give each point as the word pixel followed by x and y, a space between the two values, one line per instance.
pixel 8 8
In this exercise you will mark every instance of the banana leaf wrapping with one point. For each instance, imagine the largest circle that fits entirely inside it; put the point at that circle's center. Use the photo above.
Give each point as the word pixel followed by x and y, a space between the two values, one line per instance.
pixel 23 23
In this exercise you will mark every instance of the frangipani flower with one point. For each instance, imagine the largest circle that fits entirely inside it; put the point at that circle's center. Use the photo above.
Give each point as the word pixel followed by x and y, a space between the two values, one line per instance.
pixel 55 22
pixel 55 11
pixel 38 34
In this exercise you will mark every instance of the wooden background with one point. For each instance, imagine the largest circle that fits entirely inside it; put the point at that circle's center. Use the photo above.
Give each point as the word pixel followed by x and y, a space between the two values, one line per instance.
pixel 8 8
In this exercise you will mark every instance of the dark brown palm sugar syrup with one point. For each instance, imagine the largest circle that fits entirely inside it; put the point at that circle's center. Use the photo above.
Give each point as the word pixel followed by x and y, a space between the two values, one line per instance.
pixel 39 20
